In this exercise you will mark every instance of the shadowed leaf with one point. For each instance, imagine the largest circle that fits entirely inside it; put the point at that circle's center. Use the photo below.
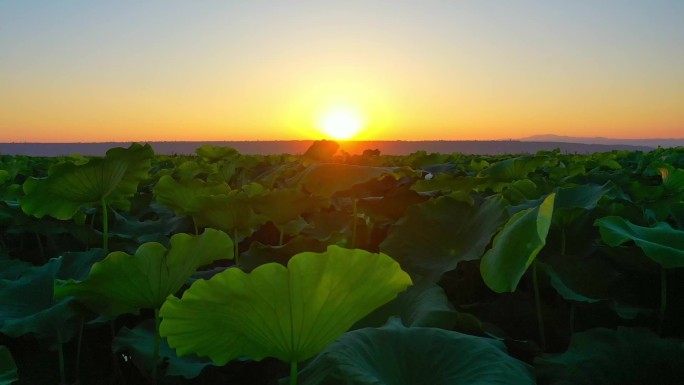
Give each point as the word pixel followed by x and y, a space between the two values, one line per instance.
pixel 396 355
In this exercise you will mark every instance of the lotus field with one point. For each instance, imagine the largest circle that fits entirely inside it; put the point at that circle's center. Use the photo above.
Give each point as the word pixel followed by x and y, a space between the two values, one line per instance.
pixel 224 268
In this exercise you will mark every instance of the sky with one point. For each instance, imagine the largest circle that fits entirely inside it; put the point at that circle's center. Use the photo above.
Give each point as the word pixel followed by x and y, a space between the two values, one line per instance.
pixel 84 71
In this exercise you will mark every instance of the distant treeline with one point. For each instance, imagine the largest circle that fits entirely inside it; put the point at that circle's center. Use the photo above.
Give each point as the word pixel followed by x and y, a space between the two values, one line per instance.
pixel 300 146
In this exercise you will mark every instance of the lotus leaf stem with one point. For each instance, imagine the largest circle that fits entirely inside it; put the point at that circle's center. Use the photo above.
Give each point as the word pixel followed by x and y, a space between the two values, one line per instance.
pixel 78 349
pixel 60 353
pixel 41 249
pixel 235 246
pixel 157 344
pixel 354 213
pixel 293 373
pixel 663 299
pixel 537 298
pixel 563 241
pixel 105 226
pixel 281 228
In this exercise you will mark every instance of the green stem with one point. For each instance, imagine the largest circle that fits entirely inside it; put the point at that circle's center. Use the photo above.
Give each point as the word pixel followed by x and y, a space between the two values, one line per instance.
pixel 537 297
pixel 41 249
pixel 282 235
pixel 194 223
pixel 354 213
pixel 572 317
pixel 78 350
pixel 235 246
pixel 157 344
pixel 563 241
pixel 105 226
pixel 293 373
pixel 115 360
pixel 60 353
pixel 663 299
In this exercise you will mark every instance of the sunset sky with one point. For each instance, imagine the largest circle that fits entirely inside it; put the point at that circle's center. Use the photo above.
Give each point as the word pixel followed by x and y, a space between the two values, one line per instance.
pixel 276 70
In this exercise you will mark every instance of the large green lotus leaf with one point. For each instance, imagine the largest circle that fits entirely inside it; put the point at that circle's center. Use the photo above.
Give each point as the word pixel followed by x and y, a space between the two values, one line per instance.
pixel 521 190
pixel 673 178
pixel 514 168
pixel 77 264
pixel 230 212
pixel 8 369
pixel 423 304
pixel 216 153
pixel 290 313
pixel 583 279
pixel 391 205
pixel 113 178
pixel 320 151
pixel 130 228
pixel 661 243
pixel 123 283
pixel 516 246
pixel 281 206
pixel 4 176
pixel 259 254
pixel 139 342
pixel 28 305
pixel 626 356
pixel 436 235
pixel 565 171
pixel 585 196
pixel 12 269
pixel 325 179
pixel 186 197
pixel 396 355
pixel 447 183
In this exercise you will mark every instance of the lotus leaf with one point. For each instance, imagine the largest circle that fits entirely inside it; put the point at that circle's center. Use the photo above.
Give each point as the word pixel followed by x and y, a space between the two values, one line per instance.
pixel 587 280
pixel 259 253
pixel 585 196
pixel 111 179
pixel 673 178
pixel 288 313
pixel 392 205
pixel 423 304
pixel 123 283
pixel 396 355
pixel 216 153
pixel 661 243
pixel 28 305
pixel 516 247
pixel 325 179
pixel 626 356
pixel 8 369
pixel 321 151
pixel 436 235
pixel 514 168
pixel 281 206
pixel 137 342
pixel 4 176
pixel 448 183
pixel 187 196
pixel 231 213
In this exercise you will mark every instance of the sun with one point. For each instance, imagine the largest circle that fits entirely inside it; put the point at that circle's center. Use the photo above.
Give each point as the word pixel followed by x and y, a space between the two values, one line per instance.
pixel 341 123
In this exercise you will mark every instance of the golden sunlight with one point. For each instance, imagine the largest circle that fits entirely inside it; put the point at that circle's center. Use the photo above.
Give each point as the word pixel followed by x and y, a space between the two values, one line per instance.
pixel 341 123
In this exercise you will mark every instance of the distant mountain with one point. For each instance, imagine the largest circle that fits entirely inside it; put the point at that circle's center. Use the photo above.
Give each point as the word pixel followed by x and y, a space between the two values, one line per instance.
pixel 485 147
pixel 655 142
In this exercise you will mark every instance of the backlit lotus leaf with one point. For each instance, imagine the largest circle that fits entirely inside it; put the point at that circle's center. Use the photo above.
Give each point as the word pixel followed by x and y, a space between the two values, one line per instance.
pixel 290 313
